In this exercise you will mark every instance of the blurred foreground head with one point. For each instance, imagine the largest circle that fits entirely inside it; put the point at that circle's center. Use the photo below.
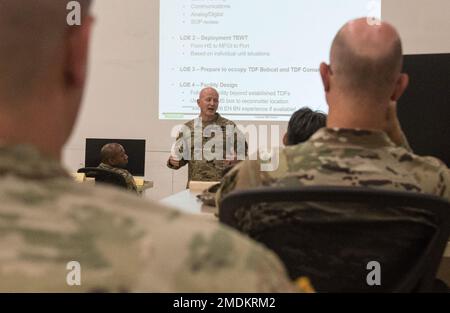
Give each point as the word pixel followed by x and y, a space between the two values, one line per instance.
pixel 43 65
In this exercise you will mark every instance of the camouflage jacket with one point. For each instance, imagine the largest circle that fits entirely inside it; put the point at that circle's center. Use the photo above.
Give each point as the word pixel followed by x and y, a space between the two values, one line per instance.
pixel 201 167
pixel 342 157
pixel 121 242
pixel 131 184
pixel 338 158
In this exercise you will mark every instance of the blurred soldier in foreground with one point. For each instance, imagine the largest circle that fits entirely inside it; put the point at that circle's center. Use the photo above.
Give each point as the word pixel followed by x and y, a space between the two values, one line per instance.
pixel 46 221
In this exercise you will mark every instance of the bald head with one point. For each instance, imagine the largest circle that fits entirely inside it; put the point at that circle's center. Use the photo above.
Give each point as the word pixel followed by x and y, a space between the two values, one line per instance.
pixel 366 60
pixel 31 43
pixel 208 102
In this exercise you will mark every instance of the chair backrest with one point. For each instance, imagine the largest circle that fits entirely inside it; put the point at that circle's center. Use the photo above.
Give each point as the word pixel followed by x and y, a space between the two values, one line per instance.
pixel 332 234
pixel 104 176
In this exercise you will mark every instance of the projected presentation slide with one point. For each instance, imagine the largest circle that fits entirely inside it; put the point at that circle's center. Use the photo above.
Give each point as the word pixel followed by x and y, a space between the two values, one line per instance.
pixel 262 56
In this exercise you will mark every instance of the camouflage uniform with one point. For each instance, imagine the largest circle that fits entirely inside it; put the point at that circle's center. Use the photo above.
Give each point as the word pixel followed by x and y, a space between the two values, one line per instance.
pixel 341 157
pixel 131 184
pixel 122 243
pixel 201 169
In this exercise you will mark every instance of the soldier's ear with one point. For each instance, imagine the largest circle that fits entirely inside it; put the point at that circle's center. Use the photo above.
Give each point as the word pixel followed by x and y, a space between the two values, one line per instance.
pixel 325 74
pixel 400 86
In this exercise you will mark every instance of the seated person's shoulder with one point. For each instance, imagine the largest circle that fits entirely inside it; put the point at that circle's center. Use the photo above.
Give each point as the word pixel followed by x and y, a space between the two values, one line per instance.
pixel 257 163
pixel 118 170
pixel 244 167
pixel 430 171
pixel 427 162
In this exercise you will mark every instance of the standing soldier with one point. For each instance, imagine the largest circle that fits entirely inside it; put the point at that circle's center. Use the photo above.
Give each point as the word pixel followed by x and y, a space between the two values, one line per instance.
pixel 196 137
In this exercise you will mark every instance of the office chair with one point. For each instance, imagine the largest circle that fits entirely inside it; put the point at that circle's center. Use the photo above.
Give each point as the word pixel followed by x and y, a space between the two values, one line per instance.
pixel 104 176
pixel 331 234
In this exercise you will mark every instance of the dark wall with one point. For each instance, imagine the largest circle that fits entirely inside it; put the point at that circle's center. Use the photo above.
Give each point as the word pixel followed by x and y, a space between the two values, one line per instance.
pixel 135 150
pixel 424 109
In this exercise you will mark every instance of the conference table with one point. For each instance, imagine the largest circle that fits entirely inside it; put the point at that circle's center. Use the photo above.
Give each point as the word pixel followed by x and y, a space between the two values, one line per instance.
pixel 187 202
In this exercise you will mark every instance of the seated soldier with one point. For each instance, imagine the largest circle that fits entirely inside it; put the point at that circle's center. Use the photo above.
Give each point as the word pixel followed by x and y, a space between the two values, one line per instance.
pixel 363 144
pixel 187 148
pixel 60 236
pixel 115 159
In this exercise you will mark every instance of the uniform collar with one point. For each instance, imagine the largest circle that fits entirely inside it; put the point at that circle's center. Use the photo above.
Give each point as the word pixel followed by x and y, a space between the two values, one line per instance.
pixel 367 138
pixel 26 161
pixel 216 118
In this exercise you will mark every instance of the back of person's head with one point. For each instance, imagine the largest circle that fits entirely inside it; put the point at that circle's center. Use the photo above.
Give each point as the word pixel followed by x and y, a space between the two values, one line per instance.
pixel 114 154
pixel 43 64
pixel 303 124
